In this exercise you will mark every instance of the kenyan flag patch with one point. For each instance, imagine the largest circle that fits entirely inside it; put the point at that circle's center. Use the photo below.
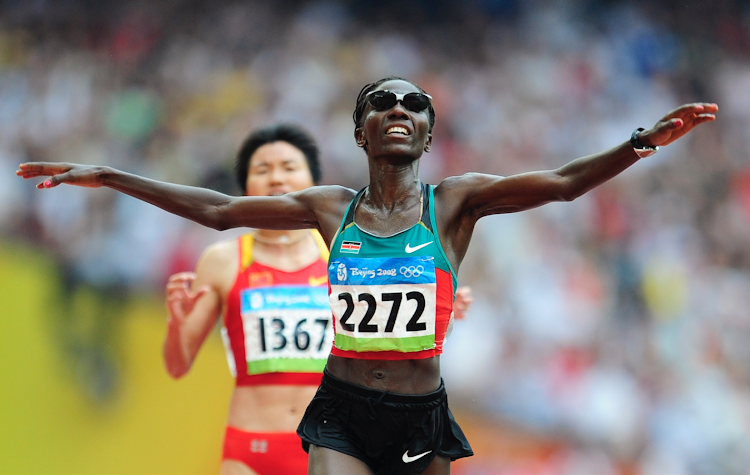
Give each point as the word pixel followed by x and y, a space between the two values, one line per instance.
pixel 352 247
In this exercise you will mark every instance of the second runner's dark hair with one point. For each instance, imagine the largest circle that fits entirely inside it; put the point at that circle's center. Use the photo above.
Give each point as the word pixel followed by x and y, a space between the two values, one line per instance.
pixel 290 133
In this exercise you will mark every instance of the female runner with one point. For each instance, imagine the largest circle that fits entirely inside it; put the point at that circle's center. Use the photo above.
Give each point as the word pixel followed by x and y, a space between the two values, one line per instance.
pixel 278 369
pixel 276 352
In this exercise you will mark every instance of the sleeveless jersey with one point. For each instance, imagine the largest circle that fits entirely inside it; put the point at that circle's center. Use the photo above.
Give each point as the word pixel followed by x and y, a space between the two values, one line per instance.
pixel 277 325
pixel 391 297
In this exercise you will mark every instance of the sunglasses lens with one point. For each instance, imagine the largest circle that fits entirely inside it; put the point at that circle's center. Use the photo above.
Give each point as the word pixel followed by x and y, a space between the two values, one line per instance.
pixel 416 101
pixel 382 100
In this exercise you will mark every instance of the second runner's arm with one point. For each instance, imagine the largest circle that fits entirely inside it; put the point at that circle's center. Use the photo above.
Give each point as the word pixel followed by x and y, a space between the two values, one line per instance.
pixel 194 304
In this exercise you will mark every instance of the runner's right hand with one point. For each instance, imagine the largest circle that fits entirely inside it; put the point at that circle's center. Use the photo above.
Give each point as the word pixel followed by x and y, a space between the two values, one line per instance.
pixel 180 299
pixel 70 173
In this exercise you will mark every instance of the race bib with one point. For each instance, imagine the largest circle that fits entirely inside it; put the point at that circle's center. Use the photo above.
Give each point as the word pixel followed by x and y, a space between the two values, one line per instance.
pixel 383 304
pixel 287 328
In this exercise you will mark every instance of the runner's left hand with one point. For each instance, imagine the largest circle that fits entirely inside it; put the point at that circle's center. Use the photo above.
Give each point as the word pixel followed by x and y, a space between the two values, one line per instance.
pixel 678 123
pixel 462 303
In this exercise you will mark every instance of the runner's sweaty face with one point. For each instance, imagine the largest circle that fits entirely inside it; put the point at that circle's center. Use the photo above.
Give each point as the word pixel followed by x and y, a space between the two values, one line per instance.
pixel 396 131
pixel 277 168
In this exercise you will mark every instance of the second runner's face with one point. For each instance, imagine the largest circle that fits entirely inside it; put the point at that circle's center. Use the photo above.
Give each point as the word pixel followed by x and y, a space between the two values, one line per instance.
pixel 277 168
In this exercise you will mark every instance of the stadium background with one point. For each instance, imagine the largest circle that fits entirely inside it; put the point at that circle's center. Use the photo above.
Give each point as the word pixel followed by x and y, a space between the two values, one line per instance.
pixel 609 335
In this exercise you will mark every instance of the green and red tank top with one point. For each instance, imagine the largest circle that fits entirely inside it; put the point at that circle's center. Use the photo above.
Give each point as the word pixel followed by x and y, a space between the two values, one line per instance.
pixel 391 296
pixel 277 325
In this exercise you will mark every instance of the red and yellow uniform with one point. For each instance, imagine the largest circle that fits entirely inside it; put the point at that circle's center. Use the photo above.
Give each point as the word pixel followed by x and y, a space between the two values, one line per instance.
pixel 277 330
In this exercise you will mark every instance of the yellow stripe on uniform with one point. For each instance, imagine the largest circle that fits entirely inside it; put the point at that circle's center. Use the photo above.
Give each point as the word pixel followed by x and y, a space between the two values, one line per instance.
pixel 246 250
pixel 324 252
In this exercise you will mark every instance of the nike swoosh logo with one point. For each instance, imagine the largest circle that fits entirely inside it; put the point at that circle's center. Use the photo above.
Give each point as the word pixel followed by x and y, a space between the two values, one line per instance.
pixel 316 281
pixel 408 459
pixel 410 249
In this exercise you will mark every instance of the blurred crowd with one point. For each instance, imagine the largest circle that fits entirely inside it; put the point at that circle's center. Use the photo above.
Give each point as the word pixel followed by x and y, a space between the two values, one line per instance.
pixel 617 323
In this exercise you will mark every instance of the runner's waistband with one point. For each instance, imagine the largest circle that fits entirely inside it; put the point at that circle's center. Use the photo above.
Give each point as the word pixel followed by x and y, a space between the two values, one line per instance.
pixel 351 391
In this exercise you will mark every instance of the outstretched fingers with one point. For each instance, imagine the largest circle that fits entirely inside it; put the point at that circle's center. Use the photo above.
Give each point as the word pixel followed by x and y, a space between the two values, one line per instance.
pixel 36 169
pixel 680 121
pixel 687 110
pixel 57 172
pixel 696 114
pixel 80 175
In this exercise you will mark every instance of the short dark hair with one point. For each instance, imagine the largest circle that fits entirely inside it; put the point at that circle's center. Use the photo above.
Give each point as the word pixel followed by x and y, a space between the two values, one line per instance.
pixel 290 133
pixel 362 100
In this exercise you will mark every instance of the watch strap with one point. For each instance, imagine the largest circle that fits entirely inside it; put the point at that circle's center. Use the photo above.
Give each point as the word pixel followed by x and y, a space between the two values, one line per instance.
pixel 640 149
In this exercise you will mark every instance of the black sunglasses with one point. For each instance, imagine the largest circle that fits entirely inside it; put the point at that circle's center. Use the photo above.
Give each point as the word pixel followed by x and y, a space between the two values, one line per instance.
pixel 384 100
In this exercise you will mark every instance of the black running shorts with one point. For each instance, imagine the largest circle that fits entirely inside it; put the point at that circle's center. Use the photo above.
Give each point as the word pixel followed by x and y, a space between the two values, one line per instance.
pixel 394 434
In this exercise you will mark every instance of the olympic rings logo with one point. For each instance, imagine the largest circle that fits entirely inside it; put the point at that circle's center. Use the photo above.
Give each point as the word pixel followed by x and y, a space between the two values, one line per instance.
pixel 411 271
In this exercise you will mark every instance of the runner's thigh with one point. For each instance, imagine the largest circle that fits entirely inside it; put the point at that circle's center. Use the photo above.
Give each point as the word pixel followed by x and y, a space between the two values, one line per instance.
pixel 323 461
pixel 234 467
pixel 439 466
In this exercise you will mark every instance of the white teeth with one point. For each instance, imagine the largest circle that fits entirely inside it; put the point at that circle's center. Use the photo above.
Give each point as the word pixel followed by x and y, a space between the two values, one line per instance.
pixel 397 130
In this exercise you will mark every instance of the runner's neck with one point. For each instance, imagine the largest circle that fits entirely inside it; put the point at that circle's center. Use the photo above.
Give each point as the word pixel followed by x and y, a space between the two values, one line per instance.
pixel 281 238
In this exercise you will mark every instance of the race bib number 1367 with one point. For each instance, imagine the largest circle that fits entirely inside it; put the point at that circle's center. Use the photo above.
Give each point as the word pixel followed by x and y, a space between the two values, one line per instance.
pixel 287 328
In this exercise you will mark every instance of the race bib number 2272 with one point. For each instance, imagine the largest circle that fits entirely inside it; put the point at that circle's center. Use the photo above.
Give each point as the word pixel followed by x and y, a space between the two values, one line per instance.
pixel 383 304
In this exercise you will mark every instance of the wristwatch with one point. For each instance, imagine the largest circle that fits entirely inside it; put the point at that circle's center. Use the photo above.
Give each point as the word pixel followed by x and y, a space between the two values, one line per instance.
pixel 641 150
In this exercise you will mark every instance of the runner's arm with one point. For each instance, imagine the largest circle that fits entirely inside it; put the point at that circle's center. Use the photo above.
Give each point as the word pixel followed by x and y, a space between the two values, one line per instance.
pixel 206 207
pixel 194 303
pixel 485 194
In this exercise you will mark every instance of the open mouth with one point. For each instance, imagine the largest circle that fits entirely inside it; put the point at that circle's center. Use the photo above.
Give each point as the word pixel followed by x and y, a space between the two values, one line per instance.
pixel 397 130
